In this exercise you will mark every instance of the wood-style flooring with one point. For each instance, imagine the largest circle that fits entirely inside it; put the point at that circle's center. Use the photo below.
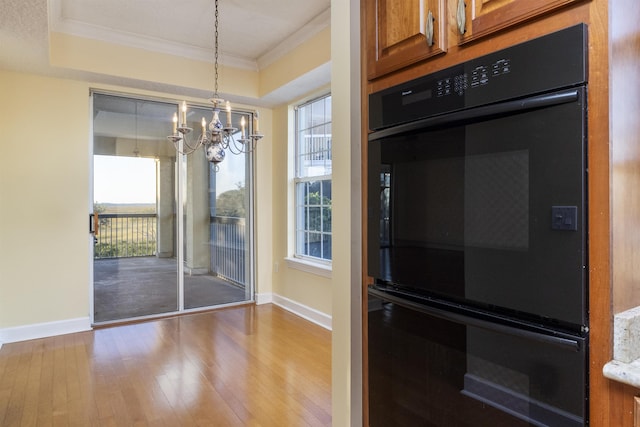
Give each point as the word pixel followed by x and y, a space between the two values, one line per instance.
pixel 241 366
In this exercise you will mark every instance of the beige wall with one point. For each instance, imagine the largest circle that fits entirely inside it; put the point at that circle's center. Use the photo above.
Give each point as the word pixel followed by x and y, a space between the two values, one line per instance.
pixel 44 198
pixel 305 288
pixel 123 62
pixel 301 60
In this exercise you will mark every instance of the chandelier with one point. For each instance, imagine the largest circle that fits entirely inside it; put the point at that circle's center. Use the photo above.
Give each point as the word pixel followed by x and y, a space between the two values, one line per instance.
pixel 216 137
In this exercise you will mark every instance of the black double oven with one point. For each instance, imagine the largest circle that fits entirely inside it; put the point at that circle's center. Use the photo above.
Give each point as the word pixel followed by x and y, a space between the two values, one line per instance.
pixel 477 241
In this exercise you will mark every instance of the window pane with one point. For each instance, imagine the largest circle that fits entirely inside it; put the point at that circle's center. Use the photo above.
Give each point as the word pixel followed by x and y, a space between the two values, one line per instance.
pixel 313 139
pixel 326 247
pixel 317 113
pixel 314 245
pixel 313 196
pixel 326 206
pixel 326 219
pixel 313 192
pixel 326 189
pixel 314 219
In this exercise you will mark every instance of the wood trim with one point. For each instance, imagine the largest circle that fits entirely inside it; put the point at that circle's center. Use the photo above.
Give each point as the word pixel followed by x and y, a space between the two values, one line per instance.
pixel 602 400
pixel 512 14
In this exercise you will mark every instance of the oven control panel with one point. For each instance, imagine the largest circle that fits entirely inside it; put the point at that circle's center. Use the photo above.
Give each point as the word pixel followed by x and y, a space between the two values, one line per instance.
pixel 479 76
pixel 555 61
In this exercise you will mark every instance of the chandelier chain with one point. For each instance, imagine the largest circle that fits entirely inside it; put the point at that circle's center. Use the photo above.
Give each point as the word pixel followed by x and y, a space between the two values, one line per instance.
pixel 218 137
pixel 215 92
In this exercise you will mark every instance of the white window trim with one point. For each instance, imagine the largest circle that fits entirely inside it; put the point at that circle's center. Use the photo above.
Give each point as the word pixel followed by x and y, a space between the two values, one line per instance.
pixel 318 266
pixel 309 266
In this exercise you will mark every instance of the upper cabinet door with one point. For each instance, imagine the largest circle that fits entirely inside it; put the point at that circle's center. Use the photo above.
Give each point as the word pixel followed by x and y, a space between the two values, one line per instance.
pixel 402 32
pixel 478 18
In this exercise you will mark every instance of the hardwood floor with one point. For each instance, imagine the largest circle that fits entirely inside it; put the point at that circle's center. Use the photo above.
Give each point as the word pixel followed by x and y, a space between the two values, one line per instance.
pixel 241 366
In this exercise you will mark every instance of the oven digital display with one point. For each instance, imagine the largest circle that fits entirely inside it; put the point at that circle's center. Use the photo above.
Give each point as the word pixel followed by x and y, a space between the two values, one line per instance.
pixel 409 97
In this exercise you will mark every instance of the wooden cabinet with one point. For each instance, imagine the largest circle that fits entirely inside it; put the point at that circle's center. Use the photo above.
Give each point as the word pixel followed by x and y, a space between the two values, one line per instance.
pixel 478 18
pixel 402 32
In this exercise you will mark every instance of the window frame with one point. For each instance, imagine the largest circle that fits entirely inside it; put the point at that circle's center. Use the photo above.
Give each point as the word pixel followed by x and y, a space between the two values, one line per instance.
pixel 300 208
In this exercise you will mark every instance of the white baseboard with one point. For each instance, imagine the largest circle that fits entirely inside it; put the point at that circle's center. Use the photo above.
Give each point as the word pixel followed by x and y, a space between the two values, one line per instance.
pixel 266 298
pixel 43 330
pixel 311 314
pixel 49 329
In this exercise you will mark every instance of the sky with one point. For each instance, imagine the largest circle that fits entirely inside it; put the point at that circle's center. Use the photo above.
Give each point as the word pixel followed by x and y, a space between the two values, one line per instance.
pixel 124 179
pixel 119 179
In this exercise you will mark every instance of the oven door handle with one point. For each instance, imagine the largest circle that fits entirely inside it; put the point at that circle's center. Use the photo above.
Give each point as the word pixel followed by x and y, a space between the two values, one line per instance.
pixel 480 113
pixel 559 341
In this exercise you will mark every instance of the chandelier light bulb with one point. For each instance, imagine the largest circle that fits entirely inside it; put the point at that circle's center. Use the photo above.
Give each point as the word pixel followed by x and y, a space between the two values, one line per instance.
pixel 228 114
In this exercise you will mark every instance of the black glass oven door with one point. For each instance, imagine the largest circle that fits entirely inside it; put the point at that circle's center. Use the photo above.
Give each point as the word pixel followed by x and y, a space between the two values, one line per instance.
pixel 486 206
pixel 429 367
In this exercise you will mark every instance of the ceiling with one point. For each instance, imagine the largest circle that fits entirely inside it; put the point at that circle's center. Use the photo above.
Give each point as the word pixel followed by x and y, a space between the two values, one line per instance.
pixel 252 33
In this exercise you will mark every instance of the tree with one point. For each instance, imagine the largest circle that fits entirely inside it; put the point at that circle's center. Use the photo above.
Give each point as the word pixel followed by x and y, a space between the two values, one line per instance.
pixel 231 203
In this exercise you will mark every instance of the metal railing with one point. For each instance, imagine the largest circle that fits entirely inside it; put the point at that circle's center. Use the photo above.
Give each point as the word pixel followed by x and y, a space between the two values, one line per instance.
pixel 228 248
pixel 125 235
pixel 134 235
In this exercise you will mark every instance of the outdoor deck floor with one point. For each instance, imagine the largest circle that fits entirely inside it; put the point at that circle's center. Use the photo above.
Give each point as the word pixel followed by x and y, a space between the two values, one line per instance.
pixel 133 287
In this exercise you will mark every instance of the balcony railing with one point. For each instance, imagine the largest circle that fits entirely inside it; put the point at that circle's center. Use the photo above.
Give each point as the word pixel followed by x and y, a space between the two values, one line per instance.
pixel 125 236
pixel 228 248
pixel 134 235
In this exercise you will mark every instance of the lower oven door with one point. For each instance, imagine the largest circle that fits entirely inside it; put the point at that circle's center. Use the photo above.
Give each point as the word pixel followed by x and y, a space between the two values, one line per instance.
pixel 430 367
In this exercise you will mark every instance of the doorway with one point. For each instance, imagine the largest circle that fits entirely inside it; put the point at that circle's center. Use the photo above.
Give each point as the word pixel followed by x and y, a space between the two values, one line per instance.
pixel 171 233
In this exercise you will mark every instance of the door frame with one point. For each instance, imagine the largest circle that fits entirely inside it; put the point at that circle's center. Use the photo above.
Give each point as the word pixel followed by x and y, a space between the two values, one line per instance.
pixel 250 263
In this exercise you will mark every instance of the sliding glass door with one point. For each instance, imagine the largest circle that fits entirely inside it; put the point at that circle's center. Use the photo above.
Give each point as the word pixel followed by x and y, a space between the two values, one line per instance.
pixel 171 232
pixel 217 235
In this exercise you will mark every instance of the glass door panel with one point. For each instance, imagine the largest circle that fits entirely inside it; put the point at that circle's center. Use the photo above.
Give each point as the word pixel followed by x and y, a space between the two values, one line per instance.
pixel 216 223
pixel 134 189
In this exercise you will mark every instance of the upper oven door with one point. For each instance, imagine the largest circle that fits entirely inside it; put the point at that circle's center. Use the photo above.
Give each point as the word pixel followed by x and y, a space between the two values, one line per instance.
pixel 486 206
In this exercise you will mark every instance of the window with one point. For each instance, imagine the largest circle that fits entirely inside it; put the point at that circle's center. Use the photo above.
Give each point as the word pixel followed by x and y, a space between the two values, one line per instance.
pixel 313 179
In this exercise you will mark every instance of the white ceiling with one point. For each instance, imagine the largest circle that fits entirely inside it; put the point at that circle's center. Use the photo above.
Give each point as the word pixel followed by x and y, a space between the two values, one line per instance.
pixel 252 33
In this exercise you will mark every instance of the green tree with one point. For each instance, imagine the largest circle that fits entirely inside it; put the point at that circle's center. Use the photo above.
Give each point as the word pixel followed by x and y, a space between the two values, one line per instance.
pixel 231 203
pixel 321 206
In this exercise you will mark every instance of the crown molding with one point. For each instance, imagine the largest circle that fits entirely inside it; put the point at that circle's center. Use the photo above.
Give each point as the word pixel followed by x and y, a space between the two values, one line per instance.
pixel 296 39
pixel 139 41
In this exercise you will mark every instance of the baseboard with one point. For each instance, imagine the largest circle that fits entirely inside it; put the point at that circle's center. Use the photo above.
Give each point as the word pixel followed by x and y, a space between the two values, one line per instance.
pixel 43 330
pixel 311 314
pixel 49 329
pixel 266 298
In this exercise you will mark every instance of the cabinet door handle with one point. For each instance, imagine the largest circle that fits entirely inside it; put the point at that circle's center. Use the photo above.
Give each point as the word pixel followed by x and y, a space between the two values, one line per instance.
pixel 461 17
pixel 429 28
